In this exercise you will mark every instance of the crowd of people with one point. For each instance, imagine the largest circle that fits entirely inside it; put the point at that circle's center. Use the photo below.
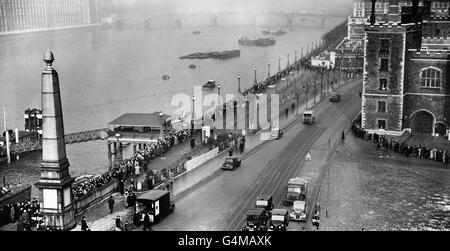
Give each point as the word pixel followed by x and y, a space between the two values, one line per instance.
pixel 128 166
pixel 24 213
pixel 403 148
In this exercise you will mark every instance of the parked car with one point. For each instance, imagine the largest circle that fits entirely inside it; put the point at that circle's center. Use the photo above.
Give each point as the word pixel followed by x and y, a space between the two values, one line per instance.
pixel 231 163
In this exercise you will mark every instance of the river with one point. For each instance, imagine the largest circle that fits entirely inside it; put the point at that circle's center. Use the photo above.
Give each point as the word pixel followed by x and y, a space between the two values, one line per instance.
pixel 107 72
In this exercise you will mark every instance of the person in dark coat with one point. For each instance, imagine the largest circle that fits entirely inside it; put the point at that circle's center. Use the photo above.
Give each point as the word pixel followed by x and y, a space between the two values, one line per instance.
pixel 230 151
pixel 84 226
pixel 147 223
pixel 119 223
pixel 343 136
pixel 111 204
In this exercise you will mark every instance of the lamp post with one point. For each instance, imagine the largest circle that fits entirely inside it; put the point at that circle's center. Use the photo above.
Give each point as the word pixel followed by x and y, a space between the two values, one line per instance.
pixel 119 144
pixel 306 90
pixel 279 64
pixel 193 117
pixel 162 123
pixel 295 58
pixel 218 94
pixel 268 69
pixel 255 81
pixel 239 83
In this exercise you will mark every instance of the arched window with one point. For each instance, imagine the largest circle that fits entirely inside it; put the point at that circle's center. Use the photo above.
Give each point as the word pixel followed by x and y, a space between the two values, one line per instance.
pixel 430 78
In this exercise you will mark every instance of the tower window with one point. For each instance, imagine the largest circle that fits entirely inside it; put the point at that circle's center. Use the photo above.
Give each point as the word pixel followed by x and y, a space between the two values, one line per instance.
pixel 384 64
pixel 382 106
pixel 430 78
pixel 381 124
pixel 383 85
pixel 384 48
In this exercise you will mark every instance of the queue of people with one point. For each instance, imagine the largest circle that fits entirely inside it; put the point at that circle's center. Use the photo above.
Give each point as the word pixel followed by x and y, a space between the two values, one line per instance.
pixel 416 151
pixel 128 166
pixel 25 214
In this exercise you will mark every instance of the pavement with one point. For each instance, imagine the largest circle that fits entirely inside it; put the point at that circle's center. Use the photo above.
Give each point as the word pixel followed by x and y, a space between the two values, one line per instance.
pixel 383 191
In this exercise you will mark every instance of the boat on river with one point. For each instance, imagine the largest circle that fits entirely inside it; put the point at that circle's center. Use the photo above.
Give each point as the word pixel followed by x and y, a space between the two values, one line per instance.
pixel 192 66
pixel 262 42
pixel 210 84
pixel 196 32
pixel 166 77
pixel 214 55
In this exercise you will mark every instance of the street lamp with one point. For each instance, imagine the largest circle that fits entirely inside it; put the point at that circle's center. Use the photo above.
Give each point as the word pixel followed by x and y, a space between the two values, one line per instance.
pixel 193 116
pixel 255 81
pixel 279 64
pixel 118 143
pixel 295 59
pixel 239 83
pixel 288 60
pixel 268 69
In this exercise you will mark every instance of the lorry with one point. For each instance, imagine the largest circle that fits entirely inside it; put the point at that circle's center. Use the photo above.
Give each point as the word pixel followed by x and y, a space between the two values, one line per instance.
pixel 296 190
pixel 335 96
pixel 157 203
pixel 265 202
pixel 309 117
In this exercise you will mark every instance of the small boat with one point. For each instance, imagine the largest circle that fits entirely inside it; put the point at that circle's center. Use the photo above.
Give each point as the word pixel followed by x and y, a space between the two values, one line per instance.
pixel 192 66
pixel 278 32
pixel 210 84
pixel 166 77
pixel 196 32
pixel 266 31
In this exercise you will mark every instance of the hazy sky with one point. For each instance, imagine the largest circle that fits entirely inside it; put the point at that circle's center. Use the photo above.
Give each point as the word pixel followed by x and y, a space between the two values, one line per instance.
pixel 333 6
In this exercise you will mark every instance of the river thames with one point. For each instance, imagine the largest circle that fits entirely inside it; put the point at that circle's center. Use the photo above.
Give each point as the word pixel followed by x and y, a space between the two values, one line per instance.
pixel 107 72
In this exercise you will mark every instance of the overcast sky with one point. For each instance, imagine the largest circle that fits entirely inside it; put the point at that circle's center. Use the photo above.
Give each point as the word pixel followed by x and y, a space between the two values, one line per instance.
pixel 333 6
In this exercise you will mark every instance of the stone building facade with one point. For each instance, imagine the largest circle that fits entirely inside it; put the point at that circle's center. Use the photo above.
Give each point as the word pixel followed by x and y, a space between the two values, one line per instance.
pixel 29 15
pixel 406 67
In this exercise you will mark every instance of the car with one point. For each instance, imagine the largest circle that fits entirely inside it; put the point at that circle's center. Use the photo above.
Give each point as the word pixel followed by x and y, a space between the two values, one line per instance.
pixel 256 220
pixel 298 212
pixel 335 97
pixel 231 163
pixel 309 117
pixel 279 221
pixel 275 133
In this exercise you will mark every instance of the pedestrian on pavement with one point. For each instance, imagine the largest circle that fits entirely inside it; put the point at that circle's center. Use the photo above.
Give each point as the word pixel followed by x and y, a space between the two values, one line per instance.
pixel 230 151
pixel 122 187
pixel 147 224
pixel 20 225
pixel 84 226
pixel 127 226
pixel 343 135
pixel 119 223
pixel 111 203
pixel 286 111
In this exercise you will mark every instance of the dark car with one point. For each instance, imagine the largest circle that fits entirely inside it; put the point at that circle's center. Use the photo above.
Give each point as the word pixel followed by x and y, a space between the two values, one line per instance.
pixel 279 220
pixel 231 163
pixel 256 220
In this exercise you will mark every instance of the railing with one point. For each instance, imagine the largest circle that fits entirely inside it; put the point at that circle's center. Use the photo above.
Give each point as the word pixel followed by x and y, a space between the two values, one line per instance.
pixel 72 138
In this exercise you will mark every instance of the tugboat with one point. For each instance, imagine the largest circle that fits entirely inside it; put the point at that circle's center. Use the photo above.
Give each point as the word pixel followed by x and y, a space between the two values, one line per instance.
pixel 263 42
pixel 192 66
pixel 210 84
pixel 166 77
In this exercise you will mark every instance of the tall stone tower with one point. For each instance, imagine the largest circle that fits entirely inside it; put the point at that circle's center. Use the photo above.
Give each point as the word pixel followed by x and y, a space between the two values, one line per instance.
pixel 55 183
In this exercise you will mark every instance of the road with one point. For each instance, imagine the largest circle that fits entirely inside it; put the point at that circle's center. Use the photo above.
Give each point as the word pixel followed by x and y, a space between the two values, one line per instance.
pixel 222 202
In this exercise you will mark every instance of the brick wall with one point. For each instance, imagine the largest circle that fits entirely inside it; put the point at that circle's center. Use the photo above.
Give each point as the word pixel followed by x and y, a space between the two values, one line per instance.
pixel 393 94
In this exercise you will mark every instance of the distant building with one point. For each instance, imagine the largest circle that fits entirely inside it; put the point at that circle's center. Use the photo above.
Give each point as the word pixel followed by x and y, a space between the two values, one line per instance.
pixel 406 71
pixel 33 121
pixel 30 15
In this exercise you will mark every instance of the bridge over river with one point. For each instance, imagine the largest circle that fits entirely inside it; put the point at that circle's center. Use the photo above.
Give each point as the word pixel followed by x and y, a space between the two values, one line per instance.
pixel 72 138
pixel 217 18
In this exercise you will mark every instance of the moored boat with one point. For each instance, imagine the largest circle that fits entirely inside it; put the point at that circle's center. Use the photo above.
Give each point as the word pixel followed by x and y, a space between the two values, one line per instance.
pixel 166 77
